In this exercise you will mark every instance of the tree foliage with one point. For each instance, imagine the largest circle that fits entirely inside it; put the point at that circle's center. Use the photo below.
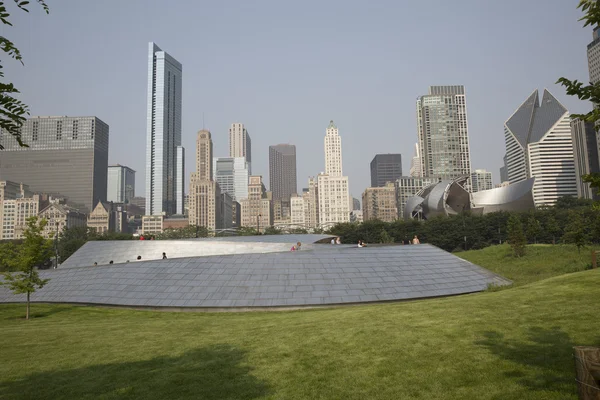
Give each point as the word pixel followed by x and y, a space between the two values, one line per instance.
pixel 516 238
pixel 591 92
pixel 34 251
pixel 575 232
pixel 480 231
pixel 188 232
pixel 534 228
pixel 13 112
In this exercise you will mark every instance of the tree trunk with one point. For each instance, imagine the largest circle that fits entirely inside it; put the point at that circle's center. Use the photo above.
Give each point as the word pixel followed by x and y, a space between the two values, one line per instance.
pixel 27 313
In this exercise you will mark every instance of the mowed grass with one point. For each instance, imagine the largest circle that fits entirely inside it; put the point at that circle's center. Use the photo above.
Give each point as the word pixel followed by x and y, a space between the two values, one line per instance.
pixel 541 261
pixel 511 344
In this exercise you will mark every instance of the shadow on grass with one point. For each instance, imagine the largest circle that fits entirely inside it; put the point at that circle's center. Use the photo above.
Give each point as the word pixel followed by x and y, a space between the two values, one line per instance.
pixel 18 313
pixel 547 354
pixel 216 372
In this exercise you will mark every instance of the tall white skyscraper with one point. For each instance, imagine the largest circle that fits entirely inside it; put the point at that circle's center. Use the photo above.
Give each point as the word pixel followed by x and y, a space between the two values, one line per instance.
pixel 163 134
pixel 333 190
pixel 240 144
pixel 415 163
pixel 231 173
pixel 333 151
pixel 442 133
pixel 539 145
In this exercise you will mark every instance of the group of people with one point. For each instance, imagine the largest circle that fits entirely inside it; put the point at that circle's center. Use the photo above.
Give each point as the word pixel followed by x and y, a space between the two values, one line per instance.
pixel 296 247
pixel 336 240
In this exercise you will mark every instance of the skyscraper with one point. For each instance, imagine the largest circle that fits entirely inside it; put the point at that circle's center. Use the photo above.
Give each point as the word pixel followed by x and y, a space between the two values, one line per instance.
pixel 240 144
pixel 205 194
pixel 256 209
pixel 164 180
pixel 231 173
pixel 593 54
pixel 385 168
pixel 66 155
pixel 333 151
pixel 442 133
pixel 380 203
pixel 481 180
pixel 333 191
pixel 121 184
pixel 282 171
pixel 538 144
pixel 585 150
pixel 415 163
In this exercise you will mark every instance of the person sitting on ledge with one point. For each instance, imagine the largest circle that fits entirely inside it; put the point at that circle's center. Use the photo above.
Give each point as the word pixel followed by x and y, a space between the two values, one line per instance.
pixel 110 262
pixel 360 243
pixel 293 248
pixel 164 256
pixel 416 240
pixel 139 257
pixel 95 264
pixel 298 246
pixel 338 240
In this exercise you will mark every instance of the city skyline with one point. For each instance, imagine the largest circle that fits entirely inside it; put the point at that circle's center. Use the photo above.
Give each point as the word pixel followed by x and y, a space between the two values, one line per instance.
pixel 369 121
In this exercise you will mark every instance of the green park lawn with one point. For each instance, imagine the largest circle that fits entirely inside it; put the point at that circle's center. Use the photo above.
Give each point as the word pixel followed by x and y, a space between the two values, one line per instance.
pixel 509 344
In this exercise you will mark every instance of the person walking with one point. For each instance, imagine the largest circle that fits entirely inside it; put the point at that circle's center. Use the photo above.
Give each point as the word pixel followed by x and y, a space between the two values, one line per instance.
pixel 164 256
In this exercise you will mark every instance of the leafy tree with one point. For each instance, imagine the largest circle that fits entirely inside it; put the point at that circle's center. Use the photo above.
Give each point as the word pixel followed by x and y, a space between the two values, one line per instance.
pixel 516 238
pixel 246 231
pixel 533 229
pixel 8 254
pixel 591 92
pixel 188 232
pixel 552 227
pixel 575 232
pixel 271 230
pixel 385 237
pixel 34 251
pixel 13 112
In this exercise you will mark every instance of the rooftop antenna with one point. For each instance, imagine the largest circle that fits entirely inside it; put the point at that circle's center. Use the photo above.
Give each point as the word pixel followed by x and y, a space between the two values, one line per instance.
pixel 203 121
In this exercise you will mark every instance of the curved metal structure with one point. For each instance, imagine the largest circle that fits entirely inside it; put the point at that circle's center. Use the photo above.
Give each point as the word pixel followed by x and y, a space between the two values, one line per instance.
pixel 450 197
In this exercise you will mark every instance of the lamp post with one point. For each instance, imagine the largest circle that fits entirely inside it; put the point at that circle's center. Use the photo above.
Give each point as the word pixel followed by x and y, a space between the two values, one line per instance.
pixel 56 247
pixel 258 223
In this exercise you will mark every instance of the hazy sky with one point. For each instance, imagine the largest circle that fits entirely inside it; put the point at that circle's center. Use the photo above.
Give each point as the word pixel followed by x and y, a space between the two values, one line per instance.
pixel 286 68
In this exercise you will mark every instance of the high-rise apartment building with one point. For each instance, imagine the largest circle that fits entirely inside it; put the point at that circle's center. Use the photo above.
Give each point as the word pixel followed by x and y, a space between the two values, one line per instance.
pixel 415 163
pixel 593 54
pixel 66 155
pixel 17 203
pixel 256 209
pixel 385 168
pixel 539 145
pixel 481 180
pixel 121 184
pixel 585 150
pixel 205 194
pixel 333 191
pixel 407 187
pixel 164 154
pixel 442 132
pixel 380 203
pixel 282 171
pixel 297 213
pixel 232 173
pixel 240 144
